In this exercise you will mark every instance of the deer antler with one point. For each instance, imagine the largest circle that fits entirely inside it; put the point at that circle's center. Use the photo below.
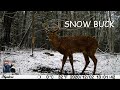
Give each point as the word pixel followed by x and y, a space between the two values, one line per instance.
pixel 55 27
pixel 45 26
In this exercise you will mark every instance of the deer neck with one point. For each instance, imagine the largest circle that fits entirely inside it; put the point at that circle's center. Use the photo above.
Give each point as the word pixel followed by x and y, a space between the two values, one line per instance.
pixel 55 41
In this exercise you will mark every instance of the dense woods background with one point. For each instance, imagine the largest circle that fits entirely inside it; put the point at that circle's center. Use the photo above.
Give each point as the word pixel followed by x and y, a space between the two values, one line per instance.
pixel 19 28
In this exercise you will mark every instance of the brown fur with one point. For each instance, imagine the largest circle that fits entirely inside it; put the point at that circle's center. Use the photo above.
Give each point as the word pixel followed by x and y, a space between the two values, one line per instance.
pixel 69 45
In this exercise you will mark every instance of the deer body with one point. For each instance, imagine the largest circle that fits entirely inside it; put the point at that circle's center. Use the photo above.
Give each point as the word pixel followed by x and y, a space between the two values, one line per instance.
pixel 69 45
pixel 74 44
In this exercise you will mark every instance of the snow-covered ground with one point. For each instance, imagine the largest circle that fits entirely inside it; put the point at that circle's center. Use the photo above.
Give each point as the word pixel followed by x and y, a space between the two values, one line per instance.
pixel 42 63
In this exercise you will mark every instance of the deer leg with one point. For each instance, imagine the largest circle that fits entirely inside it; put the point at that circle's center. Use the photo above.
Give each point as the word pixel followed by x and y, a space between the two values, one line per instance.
pixel 63 62
pixel 86 61
pixel 71 62
pixel 95 63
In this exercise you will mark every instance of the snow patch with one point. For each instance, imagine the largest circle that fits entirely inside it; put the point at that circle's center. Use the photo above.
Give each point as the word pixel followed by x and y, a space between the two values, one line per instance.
pixel 51 62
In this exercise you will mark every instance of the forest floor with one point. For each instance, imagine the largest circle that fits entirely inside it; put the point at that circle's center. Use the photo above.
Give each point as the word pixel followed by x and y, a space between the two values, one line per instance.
pixel 50 62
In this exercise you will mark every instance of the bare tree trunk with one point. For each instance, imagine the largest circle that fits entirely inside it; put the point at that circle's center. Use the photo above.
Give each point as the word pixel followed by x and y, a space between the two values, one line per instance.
pixel 92 29
pixel 110 33
pixel 24 22
pixel 33 32
pixel 25 35
pixel 8 18
pixel 2 32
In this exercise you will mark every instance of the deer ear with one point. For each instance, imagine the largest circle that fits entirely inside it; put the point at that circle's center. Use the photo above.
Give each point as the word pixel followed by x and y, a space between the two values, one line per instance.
pixel 45 26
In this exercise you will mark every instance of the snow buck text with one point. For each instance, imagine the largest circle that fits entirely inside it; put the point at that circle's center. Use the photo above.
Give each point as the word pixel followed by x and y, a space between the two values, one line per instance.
pixel 88 24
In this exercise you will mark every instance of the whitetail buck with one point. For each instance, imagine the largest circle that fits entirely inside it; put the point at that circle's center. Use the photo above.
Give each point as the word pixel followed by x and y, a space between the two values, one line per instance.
pixel 69 45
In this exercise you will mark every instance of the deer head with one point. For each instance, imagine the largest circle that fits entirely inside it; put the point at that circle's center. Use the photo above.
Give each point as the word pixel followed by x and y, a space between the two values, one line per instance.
pixel 52 32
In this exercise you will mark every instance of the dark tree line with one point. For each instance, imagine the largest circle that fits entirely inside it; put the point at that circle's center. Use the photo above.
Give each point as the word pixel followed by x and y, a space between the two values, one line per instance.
pixel 20 29
pixel 8 18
